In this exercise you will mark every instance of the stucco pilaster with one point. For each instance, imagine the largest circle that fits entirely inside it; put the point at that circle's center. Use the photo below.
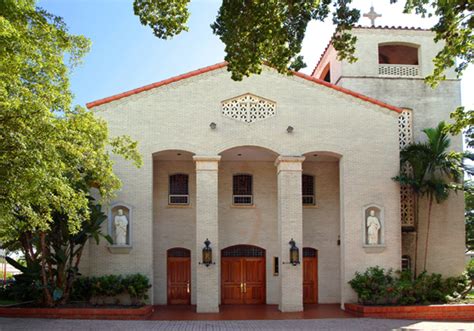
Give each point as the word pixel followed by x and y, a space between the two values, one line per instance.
pixel 207 278
pixel 290 226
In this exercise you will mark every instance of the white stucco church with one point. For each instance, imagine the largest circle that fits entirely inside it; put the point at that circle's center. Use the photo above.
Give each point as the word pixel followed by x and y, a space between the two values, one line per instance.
pixel 278 188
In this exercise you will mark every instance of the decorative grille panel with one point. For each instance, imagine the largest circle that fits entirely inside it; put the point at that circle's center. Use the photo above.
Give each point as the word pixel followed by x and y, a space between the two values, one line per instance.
pixel 309 252
pixel 407 201
pixel 179 252
pixel 407 207
pixel 243 251
pixel 399 70
pixel 248 108
pixel 405 128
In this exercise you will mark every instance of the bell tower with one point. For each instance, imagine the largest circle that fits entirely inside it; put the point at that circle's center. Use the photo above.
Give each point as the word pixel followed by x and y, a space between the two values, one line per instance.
pixel 391 66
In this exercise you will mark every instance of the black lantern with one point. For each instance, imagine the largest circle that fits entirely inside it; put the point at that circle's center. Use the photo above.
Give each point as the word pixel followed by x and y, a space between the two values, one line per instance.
pixel 207 254
pixel 294 253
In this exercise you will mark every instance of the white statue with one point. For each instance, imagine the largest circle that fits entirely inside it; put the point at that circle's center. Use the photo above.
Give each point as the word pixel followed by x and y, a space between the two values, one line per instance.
pixel 373 226
pixel 120 224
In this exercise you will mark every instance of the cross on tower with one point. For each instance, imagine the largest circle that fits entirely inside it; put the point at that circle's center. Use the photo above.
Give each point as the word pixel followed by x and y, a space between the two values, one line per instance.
pixel 372 15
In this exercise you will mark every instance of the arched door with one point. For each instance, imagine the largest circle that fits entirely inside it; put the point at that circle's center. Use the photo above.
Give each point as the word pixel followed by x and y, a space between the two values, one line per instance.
pixel 179 276
pixel 243 275
pixel 310 275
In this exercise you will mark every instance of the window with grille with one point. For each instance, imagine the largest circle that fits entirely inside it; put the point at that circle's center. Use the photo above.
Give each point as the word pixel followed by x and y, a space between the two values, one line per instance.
pixel 308 190
pixel 179 189
pixel 242 190
pixel 406 262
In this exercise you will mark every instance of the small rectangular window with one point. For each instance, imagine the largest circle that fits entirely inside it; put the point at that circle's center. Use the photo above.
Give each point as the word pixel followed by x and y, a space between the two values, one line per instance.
pixel 276 266
pixel 242 190
pixel 308 190
pixel 406 263
pixel 178 189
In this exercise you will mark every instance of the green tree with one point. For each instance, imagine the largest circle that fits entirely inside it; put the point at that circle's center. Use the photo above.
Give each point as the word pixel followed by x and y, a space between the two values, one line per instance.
pixel 469 215
pixel 432 171
pixel 50 154
pixel 271 31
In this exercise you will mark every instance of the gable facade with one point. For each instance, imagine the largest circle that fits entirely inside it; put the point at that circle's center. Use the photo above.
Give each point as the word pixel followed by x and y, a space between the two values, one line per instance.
pixel 241 150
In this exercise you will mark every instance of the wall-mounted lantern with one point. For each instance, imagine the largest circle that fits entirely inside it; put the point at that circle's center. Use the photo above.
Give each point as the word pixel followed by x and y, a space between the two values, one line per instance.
pixel 290 129
pixel 294 253
pixel 207 254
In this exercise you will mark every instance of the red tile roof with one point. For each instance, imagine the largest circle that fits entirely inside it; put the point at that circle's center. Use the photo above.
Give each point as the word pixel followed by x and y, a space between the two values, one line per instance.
pixel 154 85
pixel 224 64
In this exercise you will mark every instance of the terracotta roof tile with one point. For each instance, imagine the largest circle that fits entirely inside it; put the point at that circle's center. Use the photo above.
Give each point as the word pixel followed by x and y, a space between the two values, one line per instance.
pixel 224 64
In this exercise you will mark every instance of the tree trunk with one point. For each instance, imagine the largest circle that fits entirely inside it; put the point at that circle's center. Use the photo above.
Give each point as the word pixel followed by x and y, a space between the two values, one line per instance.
pixel 417 217
pixel 428 231
pixel 71 274
pixel 48 299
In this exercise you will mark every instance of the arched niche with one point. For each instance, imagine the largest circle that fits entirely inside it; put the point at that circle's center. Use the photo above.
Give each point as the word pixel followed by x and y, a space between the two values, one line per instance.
pixel 373 226
pixel 398 53
pixel 120 227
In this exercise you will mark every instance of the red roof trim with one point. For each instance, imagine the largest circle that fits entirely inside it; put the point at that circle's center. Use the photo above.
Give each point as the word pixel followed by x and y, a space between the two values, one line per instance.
pixel 224 64
pixel 347 91
pixel 154 85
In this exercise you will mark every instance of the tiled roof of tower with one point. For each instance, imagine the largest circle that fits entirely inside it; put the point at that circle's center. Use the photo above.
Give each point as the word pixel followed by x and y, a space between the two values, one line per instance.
pixel 391 27
pixel 379 27
pixel 224 64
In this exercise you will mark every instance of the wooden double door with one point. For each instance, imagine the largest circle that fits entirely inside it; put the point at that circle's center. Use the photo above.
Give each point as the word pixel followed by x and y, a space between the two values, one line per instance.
pixel 179 276
pixel 243 275
pixel 310 275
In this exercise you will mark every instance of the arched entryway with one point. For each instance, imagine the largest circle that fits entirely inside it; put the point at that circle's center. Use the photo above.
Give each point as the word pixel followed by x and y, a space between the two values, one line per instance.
pixel 310 275
pixel 243 275
pixel 179 276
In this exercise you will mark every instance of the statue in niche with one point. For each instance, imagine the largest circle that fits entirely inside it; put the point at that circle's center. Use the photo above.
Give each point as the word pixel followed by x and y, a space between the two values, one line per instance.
pixel 120 225
pixel 373 227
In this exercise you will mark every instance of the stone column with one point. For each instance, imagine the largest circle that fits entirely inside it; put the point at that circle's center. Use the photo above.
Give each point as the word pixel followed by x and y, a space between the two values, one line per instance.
pixel 290 225
pixel 207 278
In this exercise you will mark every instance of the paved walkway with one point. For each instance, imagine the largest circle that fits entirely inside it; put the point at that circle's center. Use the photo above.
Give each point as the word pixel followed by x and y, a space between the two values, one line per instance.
pixel 352 324
pixel 247 312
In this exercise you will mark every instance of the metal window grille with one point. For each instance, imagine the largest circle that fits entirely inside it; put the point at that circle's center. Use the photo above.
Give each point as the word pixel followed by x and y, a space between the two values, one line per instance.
pixel 178 189
pixel 309 252
pixel 179 252
pixel 242 190
pixel 243 251
pixel 308 190
pixel 406 262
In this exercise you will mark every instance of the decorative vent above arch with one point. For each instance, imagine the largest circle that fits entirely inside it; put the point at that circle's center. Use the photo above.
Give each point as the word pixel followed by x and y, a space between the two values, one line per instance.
pixel 248 108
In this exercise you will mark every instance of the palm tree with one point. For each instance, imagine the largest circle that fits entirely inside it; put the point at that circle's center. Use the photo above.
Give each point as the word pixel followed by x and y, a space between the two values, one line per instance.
pixel 432 171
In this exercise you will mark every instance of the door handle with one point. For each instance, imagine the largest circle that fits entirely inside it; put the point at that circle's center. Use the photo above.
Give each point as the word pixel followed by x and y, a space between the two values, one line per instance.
pixel 187 288
pixel 241 287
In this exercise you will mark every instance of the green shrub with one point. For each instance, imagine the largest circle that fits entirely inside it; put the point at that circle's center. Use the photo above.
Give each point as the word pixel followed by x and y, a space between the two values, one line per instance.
pixel 137 286
pixel 82 289
pixel 111 286
pixel 374 286
pixel 379 287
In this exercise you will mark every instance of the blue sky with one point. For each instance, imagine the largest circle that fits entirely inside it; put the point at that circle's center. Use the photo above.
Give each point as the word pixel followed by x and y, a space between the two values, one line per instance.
pixel 126 55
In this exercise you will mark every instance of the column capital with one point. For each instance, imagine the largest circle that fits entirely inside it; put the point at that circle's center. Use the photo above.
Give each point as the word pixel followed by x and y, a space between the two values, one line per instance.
pixel 289 163
pixel 207 162
pixel 206 158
